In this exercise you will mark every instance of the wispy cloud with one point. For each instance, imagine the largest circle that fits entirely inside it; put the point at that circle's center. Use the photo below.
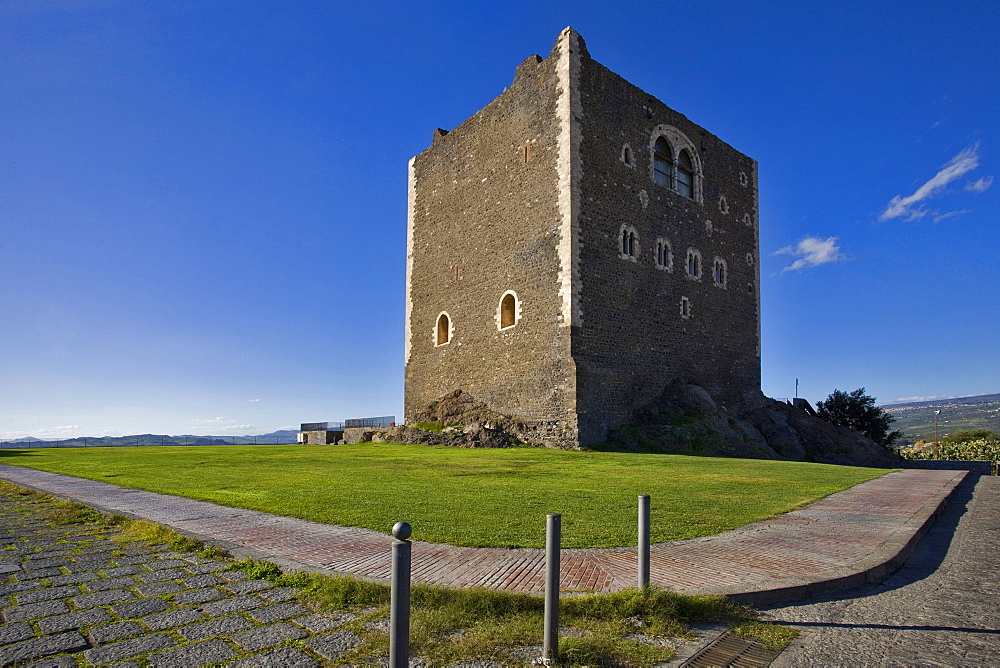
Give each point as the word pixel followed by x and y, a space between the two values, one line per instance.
pixel 914 400
pixel 215 420
pixel 254 401
pixel 950 214
pixel 812 252
pixel 981 185
pixel 961 164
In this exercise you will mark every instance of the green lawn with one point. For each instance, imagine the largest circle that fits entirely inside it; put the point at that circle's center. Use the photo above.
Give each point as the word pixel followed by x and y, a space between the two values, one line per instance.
pixel 467 497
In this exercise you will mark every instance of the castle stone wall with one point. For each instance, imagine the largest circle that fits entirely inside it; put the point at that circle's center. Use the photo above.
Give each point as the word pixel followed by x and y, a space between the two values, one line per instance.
pixel 634 337
pixel 530 196
pixel 485 221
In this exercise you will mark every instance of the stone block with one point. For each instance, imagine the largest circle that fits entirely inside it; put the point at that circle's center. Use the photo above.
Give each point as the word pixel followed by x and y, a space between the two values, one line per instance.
pixel 196 596
pixel 73 620
pixel 283 657
pixel 50 594
pixel 230 605
pixel 140 608
pixel 21 613
pixel 159 588
pixel 109 597
pixel 11 633
pixel 102 635
pixel 277 612
pixel 128 649
pixel 112 583
pixel 267 636
pixel 332 645
pixel 29 650
pixel 215 627
pixel 196 654
pixel 172 618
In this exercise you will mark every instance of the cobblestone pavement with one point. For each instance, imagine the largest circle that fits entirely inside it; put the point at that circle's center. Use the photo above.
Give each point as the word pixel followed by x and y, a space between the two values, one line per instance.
pixel 814 544
pixel 941 609
pixel 72 596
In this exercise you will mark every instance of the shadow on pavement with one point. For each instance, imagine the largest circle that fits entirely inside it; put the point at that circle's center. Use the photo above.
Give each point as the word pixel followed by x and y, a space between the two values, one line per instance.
pixel 924 560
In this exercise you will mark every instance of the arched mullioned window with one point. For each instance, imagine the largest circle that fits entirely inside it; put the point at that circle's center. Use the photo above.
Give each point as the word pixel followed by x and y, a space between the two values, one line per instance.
pixel 508 310
pixel 629 242
pixel 719 272
pixel 676 163
pixel 693 263
pixel 663 163
pixel 443 330
pixel 685 174
pixel 664 259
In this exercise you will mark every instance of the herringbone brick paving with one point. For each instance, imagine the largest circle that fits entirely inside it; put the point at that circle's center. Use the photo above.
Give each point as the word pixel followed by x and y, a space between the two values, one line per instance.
pixel 833 533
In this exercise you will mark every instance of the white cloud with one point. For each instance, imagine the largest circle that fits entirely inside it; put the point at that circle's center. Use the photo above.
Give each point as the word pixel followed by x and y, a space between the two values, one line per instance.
pixel 981 185
pixel 216 420
pixel 961 164
pixel 812 252
pixel 254 401
pixel 914 400
pixel 950 214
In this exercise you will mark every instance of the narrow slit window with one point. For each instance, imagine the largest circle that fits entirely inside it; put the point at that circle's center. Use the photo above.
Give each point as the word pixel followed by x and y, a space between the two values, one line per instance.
pixel 443 330
pixel 508 311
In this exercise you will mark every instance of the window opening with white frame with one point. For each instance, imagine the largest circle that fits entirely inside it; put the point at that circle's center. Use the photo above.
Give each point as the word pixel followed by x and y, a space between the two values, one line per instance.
pixel 719 272
pixel 693 264
pixel 507 311
pixel 685 307
pixel 676 164
pixel 627 156
pixel 442 331
pixel 664 258
pixel 629 242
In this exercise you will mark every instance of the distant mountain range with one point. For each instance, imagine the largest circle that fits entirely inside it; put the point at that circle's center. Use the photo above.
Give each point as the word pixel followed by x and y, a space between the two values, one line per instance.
pixel 275 437
pixel 916 420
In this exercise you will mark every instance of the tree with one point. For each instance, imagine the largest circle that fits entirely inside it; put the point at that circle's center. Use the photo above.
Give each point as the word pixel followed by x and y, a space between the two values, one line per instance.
pixel 858 411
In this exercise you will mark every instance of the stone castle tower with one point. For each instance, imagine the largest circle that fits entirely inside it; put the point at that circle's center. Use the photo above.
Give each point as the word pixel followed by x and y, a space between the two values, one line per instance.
pixel 573 248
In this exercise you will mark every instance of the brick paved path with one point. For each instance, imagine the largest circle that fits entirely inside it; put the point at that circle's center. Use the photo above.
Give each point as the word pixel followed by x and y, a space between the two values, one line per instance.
pixel 824 540
pixel 70 592
pixel 941 609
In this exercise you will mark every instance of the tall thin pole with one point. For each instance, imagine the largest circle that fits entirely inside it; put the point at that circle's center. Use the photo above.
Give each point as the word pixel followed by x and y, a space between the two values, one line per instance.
pixel 399 598
pixel 553 529
pixel 643 540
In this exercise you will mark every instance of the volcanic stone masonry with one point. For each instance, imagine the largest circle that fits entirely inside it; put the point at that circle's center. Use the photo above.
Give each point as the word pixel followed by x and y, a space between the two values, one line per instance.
pixel 574 247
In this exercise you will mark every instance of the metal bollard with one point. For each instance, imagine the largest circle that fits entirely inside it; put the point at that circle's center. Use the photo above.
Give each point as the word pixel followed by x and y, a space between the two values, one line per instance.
pixel 553 527
pixel 399 615
pixel 643 540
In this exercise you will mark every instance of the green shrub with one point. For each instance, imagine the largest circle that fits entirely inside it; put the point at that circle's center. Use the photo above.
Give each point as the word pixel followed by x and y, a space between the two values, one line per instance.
pixel 965 435
pixel 981 449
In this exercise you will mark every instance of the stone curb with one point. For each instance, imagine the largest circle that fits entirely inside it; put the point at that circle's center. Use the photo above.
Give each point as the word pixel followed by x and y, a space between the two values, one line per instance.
pixel 877 566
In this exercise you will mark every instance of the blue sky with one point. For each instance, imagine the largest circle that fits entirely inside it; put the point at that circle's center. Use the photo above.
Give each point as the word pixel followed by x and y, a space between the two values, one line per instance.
pixel 203 204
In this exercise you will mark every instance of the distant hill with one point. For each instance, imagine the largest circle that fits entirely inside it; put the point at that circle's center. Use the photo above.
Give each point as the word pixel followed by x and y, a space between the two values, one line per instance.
pixel 916 420
pixel 275 437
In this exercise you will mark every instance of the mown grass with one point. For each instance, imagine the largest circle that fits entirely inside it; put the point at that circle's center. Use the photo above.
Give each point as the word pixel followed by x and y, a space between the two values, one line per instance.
pixel 449 625
pixel 496 498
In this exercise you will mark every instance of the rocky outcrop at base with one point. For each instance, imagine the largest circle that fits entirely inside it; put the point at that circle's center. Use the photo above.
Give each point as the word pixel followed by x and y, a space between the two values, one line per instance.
pixel 686 420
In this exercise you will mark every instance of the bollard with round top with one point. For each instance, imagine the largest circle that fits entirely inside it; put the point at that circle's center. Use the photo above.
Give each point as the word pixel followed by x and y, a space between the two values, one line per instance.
pixel 399 613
